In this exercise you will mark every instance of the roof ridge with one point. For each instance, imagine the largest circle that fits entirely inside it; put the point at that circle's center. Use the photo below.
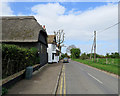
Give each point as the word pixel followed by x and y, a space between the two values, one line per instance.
pixel 17 17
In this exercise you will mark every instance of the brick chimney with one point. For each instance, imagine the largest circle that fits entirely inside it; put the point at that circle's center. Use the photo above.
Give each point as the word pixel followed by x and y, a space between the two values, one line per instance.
pixel 43 26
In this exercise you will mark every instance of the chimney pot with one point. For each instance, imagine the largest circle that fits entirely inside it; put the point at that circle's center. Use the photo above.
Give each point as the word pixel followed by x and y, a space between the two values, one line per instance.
pixel 43 26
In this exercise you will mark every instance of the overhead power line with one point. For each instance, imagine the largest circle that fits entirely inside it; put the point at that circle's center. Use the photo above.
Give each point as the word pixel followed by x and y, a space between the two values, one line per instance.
pixel 100 31
pixel 94 41
pixel 108 27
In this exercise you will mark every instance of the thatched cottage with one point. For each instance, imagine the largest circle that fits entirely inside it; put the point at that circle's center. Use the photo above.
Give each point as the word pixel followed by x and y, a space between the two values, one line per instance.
pixel 25 31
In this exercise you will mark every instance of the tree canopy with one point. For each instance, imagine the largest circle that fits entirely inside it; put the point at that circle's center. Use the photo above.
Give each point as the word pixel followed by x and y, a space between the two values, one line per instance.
pixel 75 52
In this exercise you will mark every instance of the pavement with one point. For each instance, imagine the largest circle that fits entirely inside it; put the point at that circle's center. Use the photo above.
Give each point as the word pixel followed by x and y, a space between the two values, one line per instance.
pixel 78 78
pixel 43 81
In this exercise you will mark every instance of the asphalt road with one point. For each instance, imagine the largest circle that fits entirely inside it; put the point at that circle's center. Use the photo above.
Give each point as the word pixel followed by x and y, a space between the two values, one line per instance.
pixel 78 78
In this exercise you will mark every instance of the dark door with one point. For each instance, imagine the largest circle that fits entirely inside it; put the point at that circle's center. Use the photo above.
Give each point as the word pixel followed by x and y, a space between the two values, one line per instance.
pixel 43 54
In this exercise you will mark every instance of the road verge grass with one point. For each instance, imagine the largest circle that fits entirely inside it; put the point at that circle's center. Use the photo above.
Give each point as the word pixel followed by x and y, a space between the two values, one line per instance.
pixel 106 67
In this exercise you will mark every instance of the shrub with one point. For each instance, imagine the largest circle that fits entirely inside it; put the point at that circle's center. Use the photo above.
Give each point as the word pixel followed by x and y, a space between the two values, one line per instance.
pixel 84 56
pixel 15 59
pixel 4 91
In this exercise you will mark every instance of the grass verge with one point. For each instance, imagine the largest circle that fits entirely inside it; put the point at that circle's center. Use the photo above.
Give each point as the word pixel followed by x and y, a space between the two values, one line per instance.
pixel 106 67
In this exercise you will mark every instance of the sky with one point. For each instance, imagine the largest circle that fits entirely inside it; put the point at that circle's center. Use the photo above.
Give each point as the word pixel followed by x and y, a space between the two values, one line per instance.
pixel 79 20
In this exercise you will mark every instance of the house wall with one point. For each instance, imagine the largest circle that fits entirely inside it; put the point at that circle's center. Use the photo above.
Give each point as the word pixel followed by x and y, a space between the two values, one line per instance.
pixel 52 53
pixel 43 54
pixel 42 39
pixel 49 50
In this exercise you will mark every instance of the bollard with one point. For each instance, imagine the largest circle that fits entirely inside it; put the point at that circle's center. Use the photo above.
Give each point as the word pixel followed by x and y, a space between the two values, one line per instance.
pixel 28 74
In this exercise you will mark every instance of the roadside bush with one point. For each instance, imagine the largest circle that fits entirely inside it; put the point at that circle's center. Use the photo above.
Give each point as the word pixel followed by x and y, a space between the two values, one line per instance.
pixel 84 56
pixel 65 55
pixel 15 59
pixel 4 91
pixel 62 56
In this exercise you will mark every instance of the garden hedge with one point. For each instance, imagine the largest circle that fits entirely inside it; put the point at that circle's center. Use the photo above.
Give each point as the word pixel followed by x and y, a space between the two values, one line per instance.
pixel 15 59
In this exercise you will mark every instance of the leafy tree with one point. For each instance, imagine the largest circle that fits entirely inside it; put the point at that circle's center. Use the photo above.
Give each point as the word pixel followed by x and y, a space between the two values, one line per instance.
pixel 65 55
pixel 115 55
pixel 75 52
pixel 107 55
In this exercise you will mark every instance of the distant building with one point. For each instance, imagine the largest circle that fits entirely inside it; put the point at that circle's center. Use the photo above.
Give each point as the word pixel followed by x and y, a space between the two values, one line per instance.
pixel 25 31
pixel 53 51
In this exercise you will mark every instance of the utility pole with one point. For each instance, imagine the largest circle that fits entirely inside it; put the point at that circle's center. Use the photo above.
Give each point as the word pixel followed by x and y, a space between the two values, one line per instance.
pixel 91 51
pixel 94 46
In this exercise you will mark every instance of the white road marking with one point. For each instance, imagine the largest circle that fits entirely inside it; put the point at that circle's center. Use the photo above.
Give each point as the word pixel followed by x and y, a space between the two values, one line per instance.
pixel 95 78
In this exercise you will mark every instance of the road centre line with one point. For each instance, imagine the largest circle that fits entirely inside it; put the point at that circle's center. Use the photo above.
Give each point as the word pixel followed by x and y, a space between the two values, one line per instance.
pixel 95 78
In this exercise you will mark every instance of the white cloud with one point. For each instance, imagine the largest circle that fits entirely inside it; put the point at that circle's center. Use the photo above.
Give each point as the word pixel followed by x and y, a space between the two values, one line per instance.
pixel 80 26
pixel 5 9
pixel 49 14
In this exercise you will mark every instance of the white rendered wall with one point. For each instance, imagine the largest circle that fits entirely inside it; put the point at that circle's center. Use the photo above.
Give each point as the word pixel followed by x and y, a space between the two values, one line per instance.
pixel 52 49
pixel 49 50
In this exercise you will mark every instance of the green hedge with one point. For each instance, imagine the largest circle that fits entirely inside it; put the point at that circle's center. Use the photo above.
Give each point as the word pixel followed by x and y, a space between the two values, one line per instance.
pixel 15 59
pixel 4 91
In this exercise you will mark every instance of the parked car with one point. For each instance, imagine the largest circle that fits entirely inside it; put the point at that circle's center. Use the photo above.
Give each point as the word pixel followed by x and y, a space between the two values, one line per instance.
pixel 65 60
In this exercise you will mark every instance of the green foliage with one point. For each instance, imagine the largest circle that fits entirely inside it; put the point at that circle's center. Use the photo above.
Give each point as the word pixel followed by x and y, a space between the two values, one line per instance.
pixel 97 55
pixel 84 56
pixel 62 56
pixel 108 55
pixel 4 91
pixel 75 52
pixel 15 59
pixel 115 55
pixel 65 55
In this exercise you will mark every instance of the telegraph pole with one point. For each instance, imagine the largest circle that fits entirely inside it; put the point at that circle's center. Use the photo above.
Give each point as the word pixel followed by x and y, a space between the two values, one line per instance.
pixel 91 50
pixel 94 46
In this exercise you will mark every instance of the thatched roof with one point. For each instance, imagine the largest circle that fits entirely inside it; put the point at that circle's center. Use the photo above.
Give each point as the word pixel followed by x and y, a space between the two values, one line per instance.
pixel 20 29
pixel 51 39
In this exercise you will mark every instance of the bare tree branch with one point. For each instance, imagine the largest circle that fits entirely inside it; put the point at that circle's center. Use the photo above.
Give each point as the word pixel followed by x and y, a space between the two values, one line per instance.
pixel 60 35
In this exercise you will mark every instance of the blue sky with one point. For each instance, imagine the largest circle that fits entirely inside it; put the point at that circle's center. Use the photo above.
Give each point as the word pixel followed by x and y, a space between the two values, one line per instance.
pixel 25 7
pixel 78 19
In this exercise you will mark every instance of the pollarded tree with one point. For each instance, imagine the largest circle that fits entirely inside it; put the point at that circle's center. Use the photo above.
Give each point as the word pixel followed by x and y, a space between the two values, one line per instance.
pixel 60 36
pixel 69 48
